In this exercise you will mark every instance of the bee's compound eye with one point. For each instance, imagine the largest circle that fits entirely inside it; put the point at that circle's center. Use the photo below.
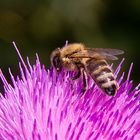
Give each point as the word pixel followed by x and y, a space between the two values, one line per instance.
pixel 57 63
pixel 111 90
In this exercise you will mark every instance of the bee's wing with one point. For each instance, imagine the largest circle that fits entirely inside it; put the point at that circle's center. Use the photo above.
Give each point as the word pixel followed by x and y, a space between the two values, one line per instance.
pixel 106 51
pixel 97 53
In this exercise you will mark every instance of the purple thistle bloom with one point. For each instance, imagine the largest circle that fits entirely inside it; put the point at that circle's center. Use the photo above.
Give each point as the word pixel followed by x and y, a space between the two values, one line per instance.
pixel 42 106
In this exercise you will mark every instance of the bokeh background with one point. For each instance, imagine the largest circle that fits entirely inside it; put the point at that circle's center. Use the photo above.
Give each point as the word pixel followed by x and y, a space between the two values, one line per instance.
pixel 41 26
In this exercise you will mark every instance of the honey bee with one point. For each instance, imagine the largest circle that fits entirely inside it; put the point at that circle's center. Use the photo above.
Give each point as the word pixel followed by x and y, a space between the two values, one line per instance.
pixel 88 61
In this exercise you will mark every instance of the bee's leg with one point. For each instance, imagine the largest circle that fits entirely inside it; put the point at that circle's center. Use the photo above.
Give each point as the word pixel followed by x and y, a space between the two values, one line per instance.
pixel 77 75
pixel 84 81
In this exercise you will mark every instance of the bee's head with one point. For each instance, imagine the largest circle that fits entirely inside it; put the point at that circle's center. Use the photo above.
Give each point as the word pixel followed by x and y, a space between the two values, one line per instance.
pixel 56 60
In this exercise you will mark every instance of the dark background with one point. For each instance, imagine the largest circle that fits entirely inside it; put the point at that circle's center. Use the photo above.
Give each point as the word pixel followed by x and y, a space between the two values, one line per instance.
pixel 41 26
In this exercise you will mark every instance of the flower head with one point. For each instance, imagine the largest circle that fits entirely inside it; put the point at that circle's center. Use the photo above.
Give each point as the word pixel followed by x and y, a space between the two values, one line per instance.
pixel 41 105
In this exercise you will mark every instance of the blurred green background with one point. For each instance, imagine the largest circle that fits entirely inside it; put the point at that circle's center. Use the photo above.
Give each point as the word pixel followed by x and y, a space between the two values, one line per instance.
pixel 41 26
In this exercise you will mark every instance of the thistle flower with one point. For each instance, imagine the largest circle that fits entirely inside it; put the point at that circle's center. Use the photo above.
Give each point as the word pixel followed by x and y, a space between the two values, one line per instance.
pixel 42 106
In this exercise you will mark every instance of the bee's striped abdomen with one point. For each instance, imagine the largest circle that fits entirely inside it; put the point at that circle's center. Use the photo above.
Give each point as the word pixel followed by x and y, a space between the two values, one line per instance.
pixel 102 74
